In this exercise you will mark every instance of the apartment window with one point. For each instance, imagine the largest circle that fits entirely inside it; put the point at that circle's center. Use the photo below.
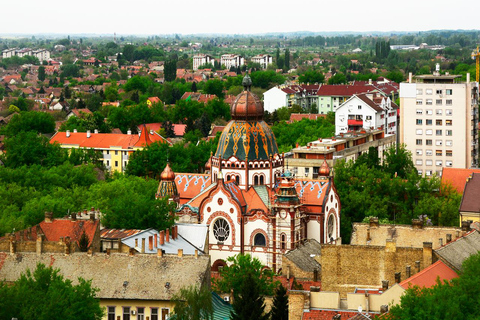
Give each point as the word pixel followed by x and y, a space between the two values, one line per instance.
pixel 111 313
pixel 429 152
pixel 419 102
pixel 448 122
pixel 420 172
pixel 154 314
pixel 439 91
pixel 141 313
pixel 438 142
pixel 359 107
pixel 438 102
pixel 108 163
pixel 449 143
pixel 116 163
pixel 448 112
pixel 448 92
pixel 429 112
pixel 124 163
pixel 108 151
pixel 419 111
pixel 428 172
pixel 448 163
pixel 116 152
pixel 438 163
pixel 126 313
pixel 449 132
pixel 428 162
pixel 419 162
pixel 448 102
pixel 438 153
pixel 368 117
pixel 419 152
pixel 419 142
pixel 419 91
pixel 438 132
pixel 419 121
pixel 438 112
pixel 125 153
pixel 428 142
pixel 438 122
pixel 429 102
pixel 429 122
pixel 449 153
pixel 428 91
pixel 419 131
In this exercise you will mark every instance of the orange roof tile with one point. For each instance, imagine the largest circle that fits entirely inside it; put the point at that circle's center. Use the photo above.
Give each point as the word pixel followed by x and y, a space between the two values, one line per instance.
pixel 428 277
pixel 253 199
pixel 457 177
pixel 191 185
pixel 144 139
pixel 96 140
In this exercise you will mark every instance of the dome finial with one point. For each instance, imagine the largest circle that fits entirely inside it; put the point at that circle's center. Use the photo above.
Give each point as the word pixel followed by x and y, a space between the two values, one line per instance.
pixel 247 82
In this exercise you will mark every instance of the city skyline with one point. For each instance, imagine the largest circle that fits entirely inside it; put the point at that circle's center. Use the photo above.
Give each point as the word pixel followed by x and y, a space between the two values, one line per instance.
pixel 250 17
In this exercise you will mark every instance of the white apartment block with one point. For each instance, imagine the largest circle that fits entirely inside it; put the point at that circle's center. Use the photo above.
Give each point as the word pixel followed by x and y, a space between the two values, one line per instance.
pixel 439 122
pixel 202 59
pixel 41 54
pixel 263 59
pixel 366 111
pixel 232 60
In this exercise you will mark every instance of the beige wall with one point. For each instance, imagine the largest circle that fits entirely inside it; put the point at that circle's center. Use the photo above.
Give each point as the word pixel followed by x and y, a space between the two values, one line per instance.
pixel 134 305
pixel 325 300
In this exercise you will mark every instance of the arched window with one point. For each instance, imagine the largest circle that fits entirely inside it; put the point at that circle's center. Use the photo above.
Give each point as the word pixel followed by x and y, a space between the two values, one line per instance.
pixel 215 177
pixel 228 177
pixel 221 230
pixel 283 241
pixel 262 180
pixel 331 228
pixel 237 180
pixel 259 240
pixel 255 181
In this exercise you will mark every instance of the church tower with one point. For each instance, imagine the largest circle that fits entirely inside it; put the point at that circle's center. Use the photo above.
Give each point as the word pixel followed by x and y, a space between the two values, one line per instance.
pixel 247 152
pixel 167 186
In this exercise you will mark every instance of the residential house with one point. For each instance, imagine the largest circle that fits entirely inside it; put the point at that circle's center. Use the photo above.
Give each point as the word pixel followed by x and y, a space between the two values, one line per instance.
pixel 79 113
pixel 304 95
pixel 153 100
pixel 60 106
pixel 363 111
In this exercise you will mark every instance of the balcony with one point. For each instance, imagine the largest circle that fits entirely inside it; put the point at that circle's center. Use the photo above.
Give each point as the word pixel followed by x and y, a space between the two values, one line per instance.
pixel 353 122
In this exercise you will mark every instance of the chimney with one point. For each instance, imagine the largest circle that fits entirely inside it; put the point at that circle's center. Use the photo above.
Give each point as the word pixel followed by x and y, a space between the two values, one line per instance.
pixel 468 76
pixel 417 265
pixel 48 217
pixel 288 272
pixel 150 243
pixel 398 277
pixel 180 253
pixel 441 242
pixel 175 228
pixel 370 81
pixel 409 77
pixel 129 131
pixel 384 285
pixel 196 253
pixel 39 243
pixel 74 216
pixel 408 272
pixel 374 222
pixel 155 241
pixel 315 274
pixel 383 308
pixel 92 217
pixel 449 237
pixel 159 253
pixel 143 245
pixel 162 237
pixel 417 224
pixel 167 237
pixel 68 133
pixel 74 130
pixel 95 131
pixel 108 251
pixel 131 252
pixel 12 241
pixel 88 133
pixel 368 234
pixel 151 131
pixel 427 254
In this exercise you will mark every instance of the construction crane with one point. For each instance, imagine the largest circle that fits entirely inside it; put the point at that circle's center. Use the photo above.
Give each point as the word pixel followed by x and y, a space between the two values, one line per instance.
pixel 476 56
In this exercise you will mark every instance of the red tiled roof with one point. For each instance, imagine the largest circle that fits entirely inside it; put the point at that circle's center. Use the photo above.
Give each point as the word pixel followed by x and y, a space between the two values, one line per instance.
pixel 316 314
pixel 191 185
pixel 428 276
pixel 179 129
pixel 342 90
pixel 457 177
pixel 300 116
pixel 78 112
pixel 118 233
pixel 470 202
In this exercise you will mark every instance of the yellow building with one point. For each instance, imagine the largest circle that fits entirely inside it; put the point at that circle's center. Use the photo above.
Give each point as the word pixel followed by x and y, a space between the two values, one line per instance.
pixel 116 148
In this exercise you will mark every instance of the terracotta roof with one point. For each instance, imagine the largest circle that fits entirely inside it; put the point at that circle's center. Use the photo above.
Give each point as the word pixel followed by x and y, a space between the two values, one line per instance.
pixel 428 277
pixel 78 112
pixel 470 202
pixel 316 314
pixel 191 185
pixel 312 192
pixel 342 90
pixel 144 139
pixel 300 116
pixel 118 233
pixel 105 140
pixel 457 177
pixel 179 129
pixel 254 201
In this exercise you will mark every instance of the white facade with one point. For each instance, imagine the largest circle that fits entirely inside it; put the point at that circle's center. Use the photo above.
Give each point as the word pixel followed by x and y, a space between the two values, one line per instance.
pixel 263 59
pixel 41 54
pixel 360 112
pixel 202 59
pixel 232 60
pixel 274 99
pixel 439 121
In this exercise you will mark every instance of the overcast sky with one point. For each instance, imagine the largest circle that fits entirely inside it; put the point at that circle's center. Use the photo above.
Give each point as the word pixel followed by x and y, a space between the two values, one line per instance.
pixel 230 17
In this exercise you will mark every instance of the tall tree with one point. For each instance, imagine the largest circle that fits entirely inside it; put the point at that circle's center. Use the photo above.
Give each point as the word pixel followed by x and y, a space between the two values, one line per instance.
pixel 41 73
pixel 192 303
pixel 287 59
pixel 248 300
pixel 280 304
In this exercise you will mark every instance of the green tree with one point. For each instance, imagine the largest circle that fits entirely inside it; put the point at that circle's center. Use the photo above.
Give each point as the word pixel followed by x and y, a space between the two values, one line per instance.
pixel 39 122
pixel 83 242
pixel 311 76
pixel 398 161
pixel 192 303
pixel 214 86
pixel 232 276
pixel 248 300
pixel 41 73
pixel 280 304
pixel 287 59
pixel 45 294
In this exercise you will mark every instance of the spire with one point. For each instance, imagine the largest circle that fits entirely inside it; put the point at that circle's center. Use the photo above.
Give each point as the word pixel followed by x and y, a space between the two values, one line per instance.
pixel 247 82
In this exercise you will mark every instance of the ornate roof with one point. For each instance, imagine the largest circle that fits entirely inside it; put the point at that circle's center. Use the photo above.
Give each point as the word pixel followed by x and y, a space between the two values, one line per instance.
pixel 324 169
pixel 167 174
pixel 254 139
